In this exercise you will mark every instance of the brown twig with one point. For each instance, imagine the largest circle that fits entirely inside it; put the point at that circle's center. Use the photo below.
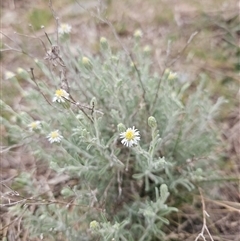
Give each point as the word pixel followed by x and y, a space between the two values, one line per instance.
pixel 13 221
pixel 55 17
pixel 53 56
pixel 20 50
pixel 184 48
pixel 204 227
pixel 33 37
pixel 34 80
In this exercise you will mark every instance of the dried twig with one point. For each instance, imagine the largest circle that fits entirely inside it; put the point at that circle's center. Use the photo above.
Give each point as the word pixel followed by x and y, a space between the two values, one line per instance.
pixel 53 56
pixel 34 80
pixel 9 48
pixel 183 49
pixel 13 221
pixel 55 17
pixel 204 227
pixel 173 61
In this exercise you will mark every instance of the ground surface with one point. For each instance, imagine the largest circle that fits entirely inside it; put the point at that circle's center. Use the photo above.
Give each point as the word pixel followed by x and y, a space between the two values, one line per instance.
pixel 213 52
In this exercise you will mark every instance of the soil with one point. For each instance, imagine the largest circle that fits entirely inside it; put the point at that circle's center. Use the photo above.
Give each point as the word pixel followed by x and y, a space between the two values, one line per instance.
pixel 160 21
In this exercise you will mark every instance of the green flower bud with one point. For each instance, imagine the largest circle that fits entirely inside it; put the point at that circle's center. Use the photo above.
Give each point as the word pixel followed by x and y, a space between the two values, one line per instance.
pixel 85 134
pixel 94 225
pixel 147 49
pixel 121 127
pixel 164 191
pixel 9 75
pixel 167 71
pixel 42 217
pixel 104 43
pixel 116 226
pixel 152 122
pixel 20 70
pixel 86 63
pixel 114 58
pixel 170 75
pixel 133 65
pixel 13 118
pixel 138 34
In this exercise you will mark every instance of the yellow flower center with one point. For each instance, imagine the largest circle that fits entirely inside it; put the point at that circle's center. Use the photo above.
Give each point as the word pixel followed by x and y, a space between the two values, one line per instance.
pixel 54 134
pixel 129 135
pixel 64 26
pixel 33 125
pixel 59 93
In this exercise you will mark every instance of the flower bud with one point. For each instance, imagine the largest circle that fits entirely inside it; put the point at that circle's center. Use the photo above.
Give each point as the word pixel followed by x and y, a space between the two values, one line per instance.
pixel 20 70
pixel 172 76
pixel 9 75
pixel 164 190
pixel 22 73
pixel 152 122
pixel 133 65
pixel 121 127
pixel 86 63
pixel 138 34
pixel 147 49
pixel 94 225
pixel 104 43
pixel 85 134
pixel 114 58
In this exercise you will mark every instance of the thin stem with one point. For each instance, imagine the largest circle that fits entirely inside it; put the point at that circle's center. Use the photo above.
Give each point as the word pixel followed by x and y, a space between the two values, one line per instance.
pixel 171 63
pixel 34 80
pixel 204 214
pixel 184 48
pixel 123 47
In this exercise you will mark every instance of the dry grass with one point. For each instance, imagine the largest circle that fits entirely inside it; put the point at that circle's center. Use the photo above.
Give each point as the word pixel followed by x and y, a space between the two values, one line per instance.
pixel 213 54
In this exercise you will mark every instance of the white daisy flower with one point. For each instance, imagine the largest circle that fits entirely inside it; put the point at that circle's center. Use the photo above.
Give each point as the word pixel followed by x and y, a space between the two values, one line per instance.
pixel 64 28
pixel 54 136
pixel 60 96
pixel 35 125
pixel 9 75
pixel 130 137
